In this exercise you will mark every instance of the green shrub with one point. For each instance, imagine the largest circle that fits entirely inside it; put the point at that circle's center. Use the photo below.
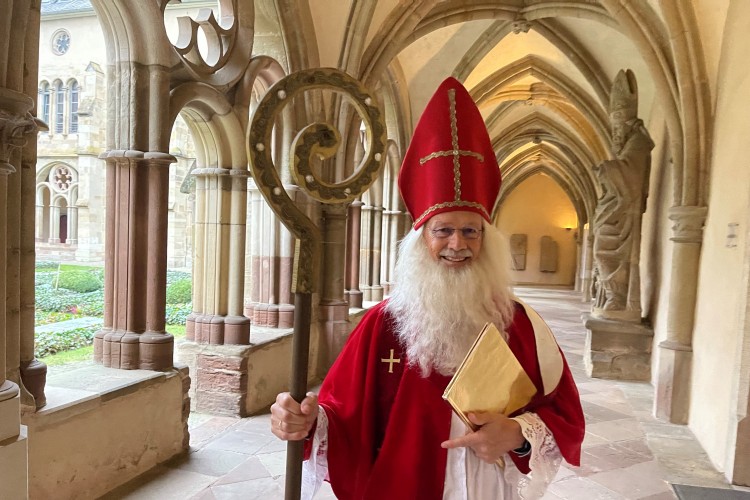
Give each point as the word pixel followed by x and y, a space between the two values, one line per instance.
pixel 54 342
pixel 173 276
pixel 176 314
pixel 62 300
pixel 180 292
pixel 46 265
pixel 79 281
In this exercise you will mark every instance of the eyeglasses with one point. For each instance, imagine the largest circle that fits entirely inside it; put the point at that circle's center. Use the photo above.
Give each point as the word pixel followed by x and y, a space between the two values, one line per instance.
pixel 468 233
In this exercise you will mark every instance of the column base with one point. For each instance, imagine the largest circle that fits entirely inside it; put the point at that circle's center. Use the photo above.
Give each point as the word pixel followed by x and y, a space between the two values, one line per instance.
pixel 34 376
pixel 617 350
pixel 218 330
pixel 14 457
pixel 354 298
pixel 133 351
pixel 672 399
pixel 286 315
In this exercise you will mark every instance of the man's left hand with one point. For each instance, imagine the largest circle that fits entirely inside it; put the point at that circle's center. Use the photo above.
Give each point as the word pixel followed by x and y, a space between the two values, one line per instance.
pixel 496 436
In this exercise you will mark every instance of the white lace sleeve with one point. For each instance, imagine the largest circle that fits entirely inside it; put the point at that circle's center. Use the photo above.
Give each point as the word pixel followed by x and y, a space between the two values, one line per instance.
pixel 545 456
pixel 315 468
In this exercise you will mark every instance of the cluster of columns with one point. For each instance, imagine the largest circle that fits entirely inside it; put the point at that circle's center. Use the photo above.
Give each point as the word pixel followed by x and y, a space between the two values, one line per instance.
pixel 268 280
pixel 22 378
pixel 133 336
pixel 219 258
pixel 371 251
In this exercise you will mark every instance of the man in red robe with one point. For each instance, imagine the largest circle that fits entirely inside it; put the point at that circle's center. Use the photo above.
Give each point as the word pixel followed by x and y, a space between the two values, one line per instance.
pixel 379 428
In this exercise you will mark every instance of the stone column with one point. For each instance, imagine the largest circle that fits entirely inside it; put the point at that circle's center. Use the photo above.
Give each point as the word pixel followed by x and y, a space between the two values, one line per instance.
pixel 334 309
pixel 73 225
pixel 587 265
pixel 365 253
pixel 237 329
pixel 54 223
pixel 672 400
pixel 578 236
pixel 16 127
pixel 352 292
pixel 375 251
pixel 135 265
pixel 39 224
pixel 398 225
pixel 221 199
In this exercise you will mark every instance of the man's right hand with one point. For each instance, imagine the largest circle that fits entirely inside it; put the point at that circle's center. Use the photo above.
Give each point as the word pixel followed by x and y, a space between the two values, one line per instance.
pixel 292 421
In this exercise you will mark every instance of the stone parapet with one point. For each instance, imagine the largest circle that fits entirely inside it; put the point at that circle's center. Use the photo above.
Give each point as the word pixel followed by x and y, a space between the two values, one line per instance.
pixel 88 439
pixel 618 350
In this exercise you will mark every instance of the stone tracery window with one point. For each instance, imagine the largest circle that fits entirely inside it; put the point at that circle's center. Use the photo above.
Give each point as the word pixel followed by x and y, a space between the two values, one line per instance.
pixel 56 205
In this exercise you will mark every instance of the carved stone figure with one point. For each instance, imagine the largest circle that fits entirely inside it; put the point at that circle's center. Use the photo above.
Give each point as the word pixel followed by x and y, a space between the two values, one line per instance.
pixel 617 221
pixel 518 244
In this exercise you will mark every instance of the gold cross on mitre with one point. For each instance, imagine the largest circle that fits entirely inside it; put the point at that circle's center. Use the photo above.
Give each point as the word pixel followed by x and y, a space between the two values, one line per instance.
pixel 390 361
pixel 455 152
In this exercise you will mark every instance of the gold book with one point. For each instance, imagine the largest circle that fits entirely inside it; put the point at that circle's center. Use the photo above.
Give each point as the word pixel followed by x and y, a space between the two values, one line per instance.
pixel 489 379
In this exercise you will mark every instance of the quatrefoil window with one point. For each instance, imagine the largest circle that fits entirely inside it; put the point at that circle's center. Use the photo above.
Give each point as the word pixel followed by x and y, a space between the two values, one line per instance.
pixel 62 178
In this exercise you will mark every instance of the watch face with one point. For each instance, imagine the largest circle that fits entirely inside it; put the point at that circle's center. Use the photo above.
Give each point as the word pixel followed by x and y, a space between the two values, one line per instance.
pixel 60 42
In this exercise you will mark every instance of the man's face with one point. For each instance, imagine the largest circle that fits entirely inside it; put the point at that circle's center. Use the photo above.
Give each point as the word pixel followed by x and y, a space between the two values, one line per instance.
pixel 454 239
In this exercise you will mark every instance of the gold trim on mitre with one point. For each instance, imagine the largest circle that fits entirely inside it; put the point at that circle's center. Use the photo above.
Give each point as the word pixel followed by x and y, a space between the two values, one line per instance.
pixel 447 204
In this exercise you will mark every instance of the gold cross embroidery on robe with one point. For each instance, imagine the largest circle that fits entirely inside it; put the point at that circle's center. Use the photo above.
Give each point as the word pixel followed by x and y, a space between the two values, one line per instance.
pixel 390 361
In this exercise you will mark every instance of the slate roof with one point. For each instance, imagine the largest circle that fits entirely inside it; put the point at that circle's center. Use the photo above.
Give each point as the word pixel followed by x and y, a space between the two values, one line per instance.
pixel 65 6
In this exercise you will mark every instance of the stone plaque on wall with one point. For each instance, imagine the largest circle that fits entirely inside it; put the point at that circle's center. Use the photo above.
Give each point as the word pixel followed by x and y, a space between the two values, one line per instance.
pixel 518 243
pixel 548 255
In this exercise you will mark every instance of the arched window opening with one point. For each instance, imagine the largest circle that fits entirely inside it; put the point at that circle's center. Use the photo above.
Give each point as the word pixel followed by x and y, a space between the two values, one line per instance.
pixel 59 107
pixel 73 119
pixel 44 101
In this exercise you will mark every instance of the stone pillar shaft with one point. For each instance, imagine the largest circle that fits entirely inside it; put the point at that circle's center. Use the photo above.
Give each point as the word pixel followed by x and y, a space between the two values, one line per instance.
pixel 353 242
pixel 334 310
pixel 135 275
pixel 219 261
pixel 588 265
pixel 365 252
pixel 672 400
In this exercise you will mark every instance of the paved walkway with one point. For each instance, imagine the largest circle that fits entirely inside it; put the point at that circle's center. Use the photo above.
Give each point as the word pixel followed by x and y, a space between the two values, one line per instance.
pixel 627 453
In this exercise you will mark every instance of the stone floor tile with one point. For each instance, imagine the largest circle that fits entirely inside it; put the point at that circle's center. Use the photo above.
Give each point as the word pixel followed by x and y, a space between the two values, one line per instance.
pixel 250 469
pixel 240 442
pixel 636 481
pixel 209 462
pixel 595 413
pixel 667 495
pixel 265 488
pixel 275 462
pixel 616 430
pixel 210 429
pixel 579 488
pixel 163 483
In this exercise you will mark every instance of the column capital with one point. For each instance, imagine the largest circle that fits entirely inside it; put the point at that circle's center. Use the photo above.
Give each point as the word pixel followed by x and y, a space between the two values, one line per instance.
pixel 130 155
pixel 688 223
pixel 15 125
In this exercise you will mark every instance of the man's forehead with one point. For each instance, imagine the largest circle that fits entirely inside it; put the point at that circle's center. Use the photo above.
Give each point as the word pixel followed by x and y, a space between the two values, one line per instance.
pixel 456 217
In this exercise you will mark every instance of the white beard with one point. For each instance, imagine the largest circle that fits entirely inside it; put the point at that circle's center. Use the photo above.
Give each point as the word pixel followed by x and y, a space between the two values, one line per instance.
pixel 439 311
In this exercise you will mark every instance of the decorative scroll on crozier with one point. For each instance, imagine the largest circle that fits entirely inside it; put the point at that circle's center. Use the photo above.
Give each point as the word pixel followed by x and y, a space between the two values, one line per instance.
pixel 321 140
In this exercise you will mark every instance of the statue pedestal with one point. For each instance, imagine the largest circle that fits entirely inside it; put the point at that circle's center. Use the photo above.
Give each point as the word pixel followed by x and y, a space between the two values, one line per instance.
pixel 616 349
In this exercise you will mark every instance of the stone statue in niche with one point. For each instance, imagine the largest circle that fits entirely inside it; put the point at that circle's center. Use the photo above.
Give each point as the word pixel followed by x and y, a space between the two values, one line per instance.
pixel 518 245
pixel 617 220
pixel 548 255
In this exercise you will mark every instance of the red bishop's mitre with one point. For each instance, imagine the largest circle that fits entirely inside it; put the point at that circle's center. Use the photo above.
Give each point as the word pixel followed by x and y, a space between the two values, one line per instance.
pixel 450 164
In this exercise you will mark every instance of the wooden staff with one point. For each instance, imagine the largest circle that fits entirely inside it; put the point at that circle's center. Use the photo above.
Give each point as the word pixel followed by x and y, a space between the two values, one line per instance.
pixel 321 140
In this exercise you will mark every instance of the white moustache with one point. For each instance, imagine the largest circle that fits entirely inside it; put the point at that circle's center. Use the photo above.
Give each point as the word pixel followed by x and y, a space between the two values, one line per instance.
pixel 460 254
